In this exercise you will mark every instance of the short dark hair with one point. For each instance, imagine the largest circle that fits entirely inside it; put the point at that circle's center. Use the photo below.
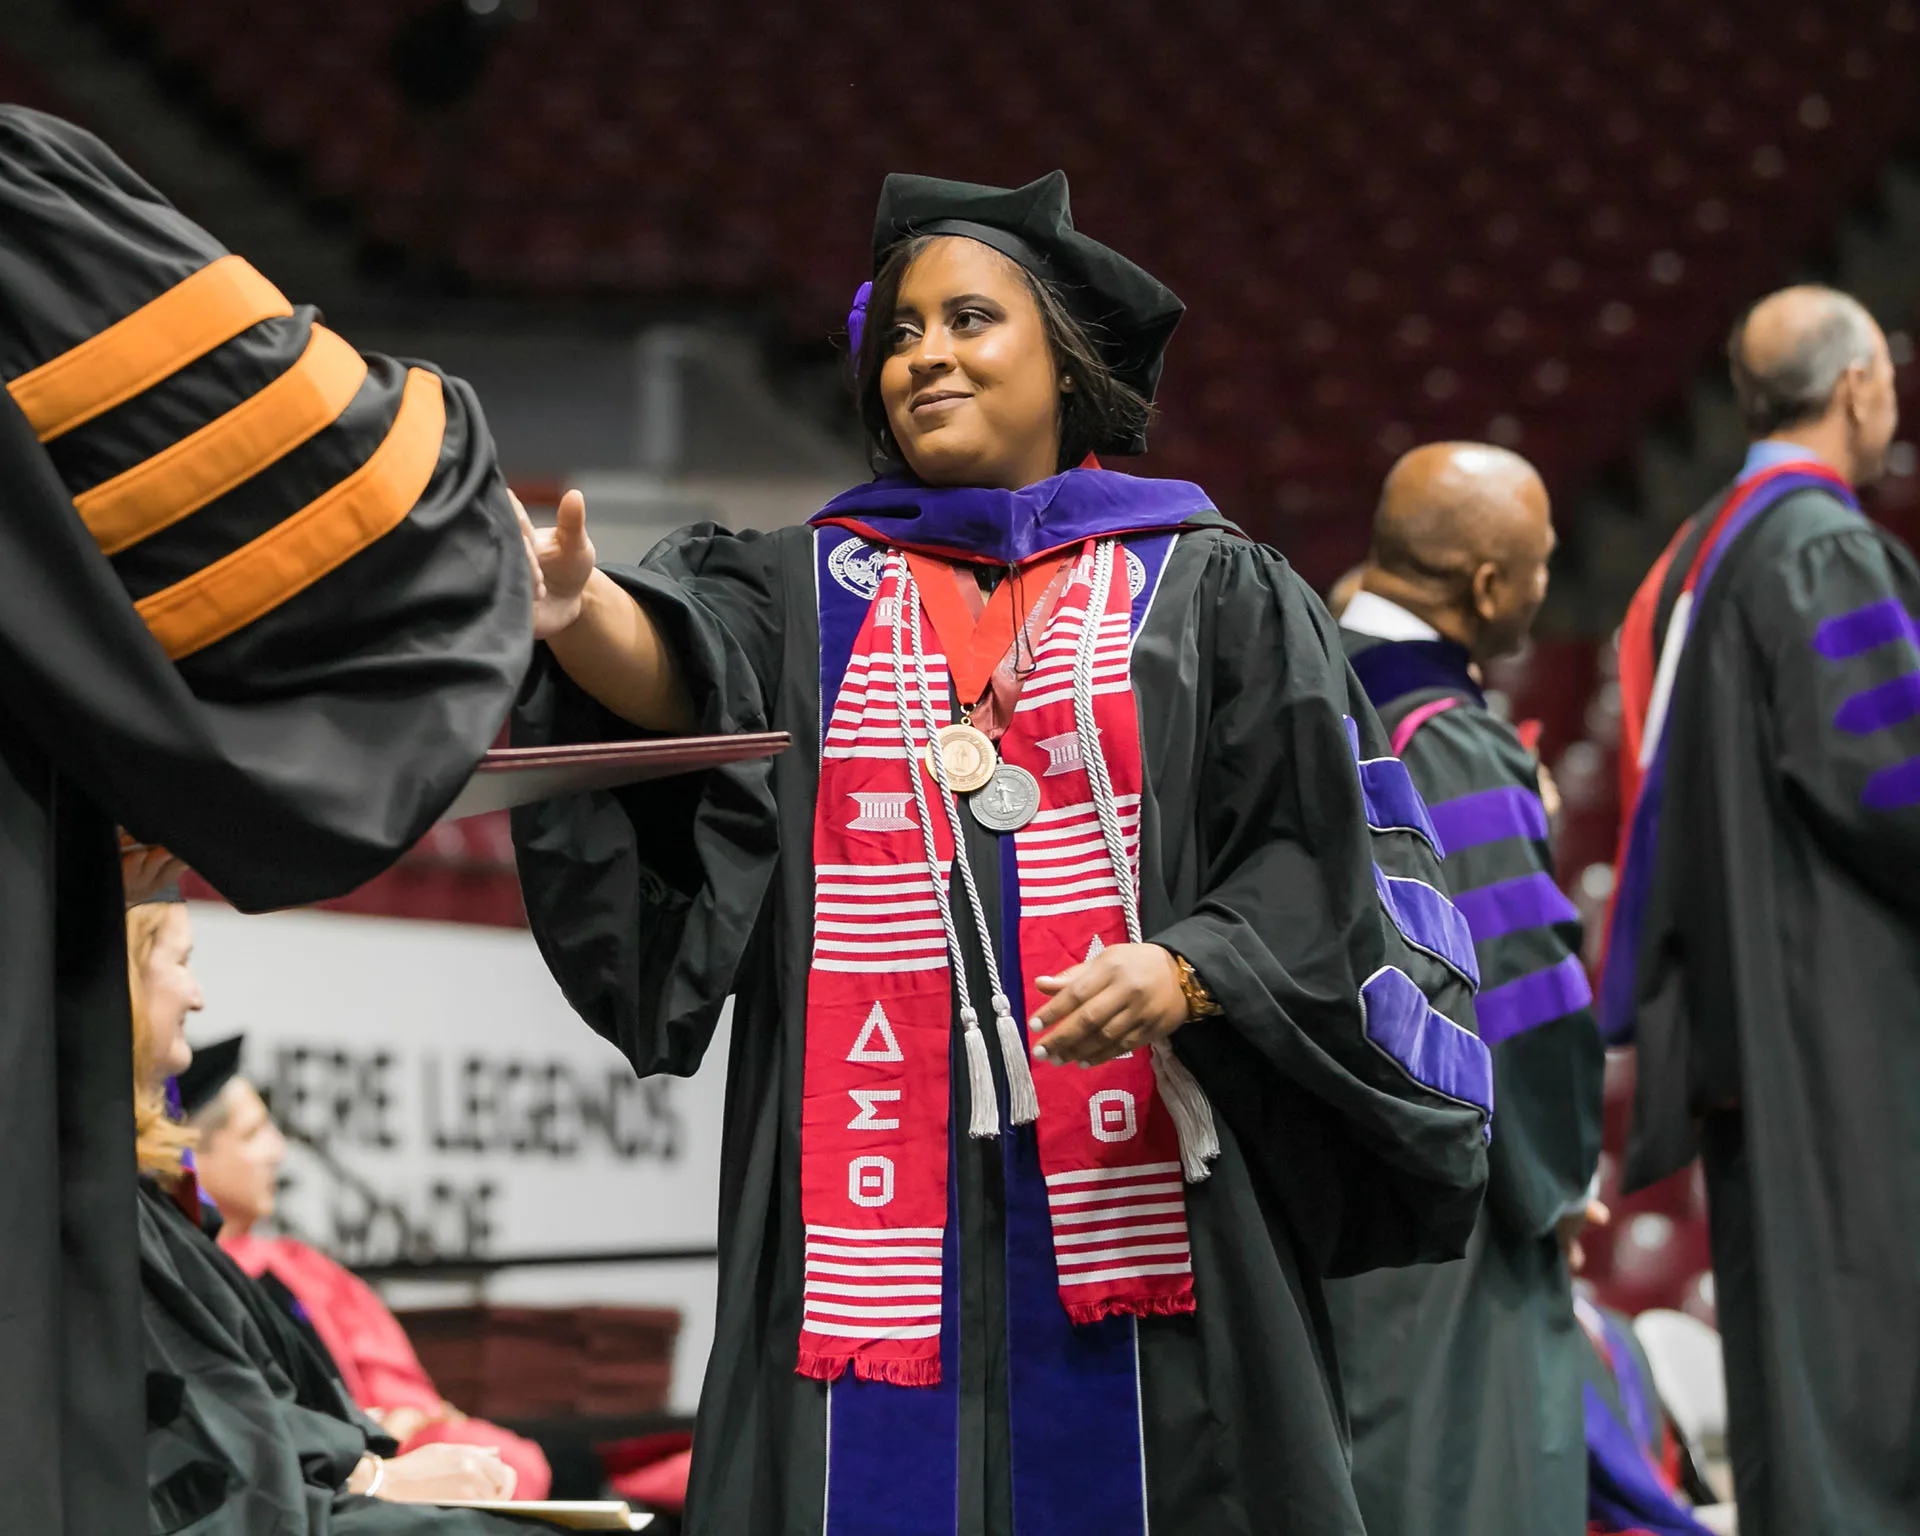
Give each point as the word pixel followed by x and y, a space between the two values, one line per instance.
pixel 1099 408
pixel 1797 386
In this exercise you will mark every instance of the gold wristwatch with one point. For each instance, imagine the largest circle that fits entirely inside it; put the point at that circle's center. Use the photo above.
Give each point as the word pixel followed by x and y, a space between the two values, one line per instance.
pixel 1200 1003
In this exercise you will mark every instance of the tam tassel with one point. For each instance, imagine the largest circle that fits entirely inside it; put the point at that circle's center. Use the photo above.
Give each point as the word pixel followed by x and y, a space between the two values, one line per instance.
pixel 1192 1114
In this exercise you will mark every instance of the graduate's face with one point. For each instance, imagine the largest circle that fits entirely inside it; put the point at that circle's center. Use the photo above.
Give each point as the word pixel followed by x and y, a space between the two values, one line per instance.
pixel 169 992
pixel 969 383
pixel 239 1164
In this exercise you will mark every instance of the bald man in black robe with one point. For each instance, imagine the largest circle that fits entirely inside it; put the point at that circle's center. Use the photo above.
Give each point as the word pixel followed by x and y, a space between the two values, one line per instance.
pixel 1464 1379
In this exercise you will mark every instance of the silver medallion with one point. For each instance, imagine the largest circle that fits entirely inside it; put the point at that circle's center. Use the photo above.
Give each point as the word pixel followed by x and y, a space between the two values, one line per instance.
pixel 1009 800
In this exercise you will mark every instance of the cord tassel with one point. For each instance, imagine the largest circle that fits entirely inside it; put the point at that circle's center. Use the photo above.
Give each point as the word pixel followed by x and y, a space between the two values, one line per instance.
pixel 1023 1103
pixel 1185 1100
pixel 1192 1115
pixel 985 1119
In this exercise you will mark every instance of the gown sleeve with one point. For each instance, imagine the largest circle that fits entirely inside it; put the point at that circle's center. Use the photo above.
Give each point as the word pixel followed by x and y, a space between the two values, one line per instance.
pixel 1346 1060
pixel 1534 1005
pixel 1837 622
pixel 267 603
pixel 644 900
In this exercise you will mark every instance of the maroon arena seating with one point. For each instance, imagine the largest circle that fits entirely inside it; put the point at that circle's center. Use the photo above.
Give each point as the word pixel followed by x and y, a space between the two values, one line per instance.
pixel 1392 222
pixel 1522 221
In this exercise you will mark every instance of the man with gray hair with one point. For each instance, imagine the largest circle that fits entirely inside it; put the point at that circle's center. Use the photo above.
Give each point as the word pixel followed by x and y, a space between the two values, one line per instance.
pixel 1764 948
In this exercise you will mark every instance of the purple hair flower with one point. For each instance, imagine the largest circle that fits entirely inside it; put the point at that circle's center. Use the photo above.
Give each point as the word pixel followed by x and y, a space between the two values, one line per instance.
pixel 857 316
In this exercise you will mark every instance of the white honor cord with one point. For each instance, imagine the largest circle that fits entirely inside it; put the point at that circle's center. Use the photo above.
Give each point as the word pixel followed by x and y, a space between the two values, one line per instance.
pixel 1186 1100
pixel 985 1104
pixel 1676 643
pixel 1023 1103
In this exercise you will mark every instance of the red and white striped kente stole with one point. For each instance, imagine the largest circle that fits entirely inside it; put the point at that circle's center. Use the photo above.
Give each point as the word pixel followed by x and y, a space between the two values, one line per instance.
pixel 880 997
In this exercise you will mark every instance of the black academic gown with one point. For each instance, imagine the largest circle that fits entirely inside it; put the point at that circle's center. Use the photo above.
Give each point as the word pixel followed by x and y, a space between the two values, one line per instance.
pixel 1463 1379
pixel 652 905
pixel 248 1429
pixel 1780 988
pixel 289 761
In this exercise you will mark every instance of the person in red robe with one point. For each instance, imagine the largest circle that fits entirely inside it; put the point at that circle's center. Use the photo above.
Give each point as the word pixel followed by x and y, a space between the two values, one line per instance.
pixel 238 1160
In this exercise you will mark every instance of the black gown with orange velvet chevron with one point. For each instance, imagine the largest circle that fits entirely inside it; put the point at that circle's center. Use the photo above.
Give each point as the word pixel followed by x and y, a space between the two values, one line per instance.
pixel 265 604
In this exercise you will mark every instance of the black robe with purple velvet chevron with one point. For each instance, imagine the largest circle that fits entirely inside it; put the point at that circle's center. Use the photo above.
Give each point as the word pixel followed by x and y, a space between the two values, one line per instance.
pixel 1266 848
pixel 1778 1031
pixel 1463 1379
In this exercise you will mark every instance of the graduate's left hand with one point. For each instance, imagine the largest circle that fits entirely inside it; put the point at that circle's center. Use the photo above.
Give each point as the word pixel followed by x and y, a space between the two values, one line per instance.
pixel 1126 997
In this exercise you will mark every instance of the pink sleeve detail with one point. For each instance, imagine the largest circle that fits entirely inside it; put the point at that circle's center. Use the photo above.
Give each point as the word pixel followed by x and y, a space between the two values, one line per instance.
pixel 1403 732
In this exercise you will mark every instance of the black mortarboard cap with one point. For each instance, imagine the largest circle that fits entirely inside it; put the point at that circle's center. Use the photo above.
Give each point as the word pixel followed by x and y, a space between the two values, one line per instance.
pixel 1129 312
pixel 212 1068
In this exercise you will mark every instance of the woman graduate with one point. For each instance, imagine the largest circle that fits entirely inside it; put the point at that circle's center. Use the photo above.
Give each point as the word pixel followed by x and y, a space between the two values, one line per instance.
pixel 1069 750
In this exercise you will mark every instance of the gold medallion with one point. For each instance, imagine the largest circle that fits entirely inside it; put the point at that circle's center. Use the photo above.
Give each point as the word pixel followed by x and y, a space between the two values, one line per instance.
pixel 966 754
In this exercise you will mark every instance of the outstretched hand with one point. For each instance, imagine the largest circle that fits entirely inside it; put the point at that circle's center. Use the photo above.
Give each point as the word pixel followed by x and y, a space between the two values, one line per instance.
pixel 1125 997
pixel 561 559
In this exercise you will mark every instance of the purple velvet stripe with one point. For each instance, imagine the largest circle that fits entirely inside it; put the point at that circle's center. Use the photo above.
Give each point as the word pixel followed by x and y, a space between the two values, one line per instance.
pixel 1894 788
pixel 1013 526
pixel 1073 1393
pixel 893 1459
pixel 893 1453
pixel 173 1105
pixel 842 612
pixel 1152 553
pixel 1431 1047
pixel 1636 1393
pixel 1392 803
pixel 1428 921
pixel 1622 1492
pixel 1880 707
pixel 1761 497
pixel 1619 976
pixel 1865 629
pixel 1510 906
pixel 1538 998
pixel 1489 816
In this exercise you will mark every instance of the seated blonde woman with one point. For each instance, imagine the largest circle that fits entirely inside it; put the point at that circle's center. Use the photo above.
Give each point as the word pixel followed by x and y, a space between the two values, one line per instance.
pixel 237 1157
pixel 247 1428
